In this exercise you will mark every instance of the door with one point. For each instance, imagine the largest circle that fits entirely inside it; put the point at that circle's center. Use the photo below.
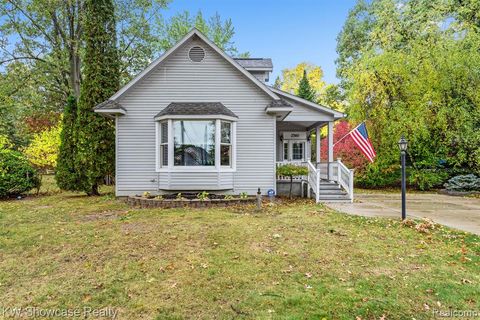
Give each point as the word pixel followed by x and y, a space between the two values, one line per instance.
pixel 294 150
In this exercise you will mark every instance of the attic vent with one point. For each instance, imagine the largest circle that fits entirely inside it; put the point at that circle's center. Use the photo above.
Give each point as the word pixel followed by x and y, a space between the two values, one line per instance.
pixel 196 54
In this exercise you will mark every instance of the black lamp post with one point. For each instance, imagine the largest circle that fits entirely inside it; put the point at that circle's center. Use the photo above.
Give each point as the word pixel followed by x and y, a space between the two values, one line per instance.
pixel 402 144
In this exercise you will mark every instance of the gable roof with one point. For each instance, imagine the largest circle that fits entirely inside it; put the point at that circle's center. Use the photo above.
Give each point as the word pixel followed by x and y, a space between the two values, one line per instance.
pixel 255 63
pixel 196 108
pixel 313 105
pixel 192 33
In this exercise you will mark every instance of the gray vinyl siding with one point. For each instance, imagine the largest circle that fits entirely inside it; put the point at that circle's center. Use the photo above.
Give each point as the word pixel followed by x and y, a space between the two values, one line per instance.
pixel 260 75
pixel 302 112
pixel 177 79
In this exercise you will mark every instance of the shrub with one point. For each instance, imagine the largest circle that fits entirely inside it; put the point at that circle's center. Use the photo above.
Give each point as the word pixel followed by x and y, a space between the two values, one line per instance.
pixel 376 176
pixel 290 170
pixel 17 175
pixel 427 179
pixel 43 150
pixel 468 182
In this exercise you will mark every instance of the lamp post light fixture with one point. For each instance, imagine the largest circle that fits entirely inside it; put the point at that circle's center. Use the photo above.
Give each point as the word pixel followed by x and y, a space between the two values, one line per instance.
pixel 402 144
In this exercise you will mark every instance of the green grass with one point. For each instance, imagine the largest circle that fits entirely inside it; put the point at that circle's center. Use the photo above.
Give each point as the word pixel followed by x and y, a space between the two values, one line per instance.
pixel 292 261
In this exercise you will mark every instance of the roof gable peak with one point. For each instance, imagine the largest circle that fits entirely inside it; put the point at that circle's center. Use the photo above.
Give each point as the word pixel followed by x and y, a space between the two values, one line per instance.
pixel 192 33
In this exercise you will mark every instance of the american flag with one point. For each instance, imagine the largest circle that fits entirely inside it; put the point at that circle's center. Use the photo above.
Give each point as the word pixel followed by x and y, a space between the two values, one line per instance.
pixel 360 136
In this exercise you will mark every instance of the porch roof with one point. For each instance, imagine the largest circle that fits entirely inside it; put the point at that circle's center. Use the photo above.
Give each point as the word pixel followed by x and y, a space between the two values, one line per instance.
pixel 311 111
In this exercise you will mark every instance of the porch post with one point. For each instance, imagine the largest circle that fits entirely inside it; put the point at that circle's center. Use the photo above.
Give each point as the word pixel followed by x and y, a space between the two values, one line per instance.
pixel 330 149
pixel 317 142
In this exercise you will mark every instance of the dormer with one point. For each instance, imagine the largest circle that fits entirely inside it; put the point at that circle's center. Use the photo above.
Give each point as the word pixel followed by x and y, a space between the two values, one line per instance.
pixel 259 67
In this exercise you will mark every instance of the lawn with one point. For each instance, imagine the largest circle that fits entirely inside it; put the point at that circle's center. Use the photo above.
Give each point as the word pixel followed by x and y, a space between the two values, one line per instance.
pixel 295 260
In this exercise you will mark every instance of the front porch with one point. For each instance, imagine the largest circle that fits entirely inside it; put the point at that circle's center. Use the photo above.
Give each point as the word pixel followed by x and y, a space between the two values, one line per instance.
pixel 327 180
pixel 297 122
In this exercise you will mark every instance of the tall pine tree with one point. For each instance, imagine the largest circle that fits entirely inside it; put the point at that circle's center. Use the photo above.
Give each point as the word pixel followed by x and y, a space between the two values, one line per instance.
pixel 96 134
pixel 65 173
pixel 305 90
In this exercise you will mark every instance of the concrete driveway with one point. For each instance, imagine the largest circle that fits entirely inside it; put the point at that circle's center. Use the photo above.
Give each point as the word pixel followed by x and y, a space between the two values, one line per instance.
pixel 456 212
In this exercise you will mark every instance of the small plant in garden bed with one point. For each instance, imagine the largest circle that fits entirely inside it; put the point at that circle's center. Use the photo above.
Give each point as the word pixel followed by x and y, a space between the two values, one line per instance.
pixel 203 196
pixel 243 195
pixel 179 196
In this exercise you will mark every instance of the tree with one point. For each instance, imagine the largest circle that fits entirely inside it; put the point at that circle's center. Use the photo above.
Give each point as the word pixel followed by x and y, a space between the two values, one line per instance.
pixel 278 83
pixel 305 91
pixel 291 78
pixel 345 148
pixel 220 32
pixel 65 174
pixel 412 73
pixel 48 34
pixel 43 150
pixel 334 97
pixel 96 138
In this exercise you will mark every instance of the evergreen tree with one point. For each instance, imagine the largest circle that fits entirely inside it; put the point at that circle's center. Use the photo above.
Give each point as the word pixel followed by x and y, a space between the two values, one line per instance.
pixel 305 90
pixel 65 173
pixel 96 134
pixel 278 83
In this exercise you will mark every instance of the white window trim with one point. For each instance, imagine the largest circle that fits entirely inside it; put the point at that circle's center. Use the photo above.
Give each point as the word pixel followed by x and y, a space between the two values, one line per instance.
pixel 289 144
pixel 217 168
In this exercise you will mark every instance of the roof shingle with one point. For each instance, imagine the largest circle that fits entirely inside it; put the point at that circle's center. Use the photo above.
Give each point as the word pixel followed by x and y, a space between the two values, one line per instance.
pixel 252 63
pixel 196 108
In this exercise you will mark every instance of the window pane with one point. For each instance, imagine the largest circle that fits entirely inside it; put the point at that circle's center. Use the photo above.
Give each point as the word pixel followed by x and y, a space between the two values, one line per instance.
pixel 194 143
pixel 164 132
pixel 297 150
pixel 164 154
pixel 226 132
pixel 225 155
pixel 285 151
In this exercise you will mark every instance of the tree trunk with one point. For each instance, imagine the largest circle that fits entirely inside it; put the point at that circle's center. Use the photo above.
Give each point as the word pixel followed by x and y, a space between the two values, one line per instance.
pixel 291 186
pixel 75 72
pixel 94 191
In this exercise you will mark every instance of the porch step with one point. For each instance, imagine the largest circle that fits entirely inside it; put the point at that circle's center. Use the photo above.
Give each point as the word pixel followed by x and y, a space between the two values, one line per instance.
pixel 332 192
pixel 332 186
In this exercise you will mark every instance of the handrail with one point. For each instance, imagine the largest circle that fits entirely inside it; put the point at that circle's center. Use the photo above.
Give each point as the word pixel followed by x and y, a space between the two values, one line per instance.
pixel 314 180
pixel 345 178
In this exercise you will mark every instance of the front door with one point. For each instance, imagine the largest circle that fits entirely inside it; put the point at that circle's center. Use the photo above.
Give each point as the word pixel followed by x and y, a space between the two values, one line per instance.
pixel 294 150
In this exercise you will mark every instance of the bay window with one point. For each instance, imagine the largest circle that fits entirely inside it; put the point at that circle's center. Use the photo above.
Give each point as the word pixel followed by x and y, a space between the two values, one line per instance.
pixel 195 143
pixel 226 143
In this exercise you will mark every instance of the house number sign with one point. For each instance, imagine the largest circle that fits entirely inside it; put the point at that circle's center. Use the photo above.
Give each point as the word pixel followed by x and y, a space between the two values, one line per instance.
pixel 294 135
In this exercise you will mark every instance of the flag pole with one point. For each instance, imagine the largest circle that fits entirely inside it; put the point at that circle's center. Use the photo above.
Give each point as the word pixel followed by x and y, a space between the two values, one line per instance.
pixel 348 133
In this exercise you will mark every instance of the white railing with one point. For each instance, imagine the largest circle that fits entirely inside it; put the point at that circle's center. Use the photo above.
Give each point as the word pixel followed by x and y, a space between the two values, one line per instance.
pixel 344 177
pixel 331 171
pixel 296 163
pixel 313 181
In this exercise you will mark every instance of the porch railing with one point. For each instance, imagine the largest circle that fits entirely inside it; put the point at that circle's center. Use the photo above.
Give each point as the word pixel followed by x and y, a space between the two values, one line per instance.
pixel 344 178
pixel 330 171
pixel 296 163
pixel 313 181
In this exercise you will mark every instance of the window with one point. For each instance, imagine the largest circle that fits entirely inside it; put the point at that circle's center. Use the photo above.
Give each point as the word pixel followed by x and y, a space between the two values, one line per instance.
pixel 297 151
pixel 285 151
pixel 226 144
pixel 164 143
pixel 194 143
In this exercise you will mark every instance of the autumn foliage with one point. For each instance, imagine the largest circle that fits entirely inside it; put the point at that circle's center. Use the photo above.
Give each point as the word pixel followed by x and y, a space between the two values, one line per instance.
pixel 346 149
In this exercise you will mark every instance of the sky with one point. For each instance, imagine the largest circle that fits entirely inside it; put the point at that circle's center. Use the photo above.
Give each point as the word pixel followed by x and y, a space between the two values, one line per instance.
pixel 288 31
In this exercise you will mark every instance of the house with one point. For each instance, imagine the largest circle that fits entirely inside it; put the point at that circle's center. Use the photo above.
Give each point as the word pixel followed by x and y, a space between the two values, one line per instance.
pixel 197 119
